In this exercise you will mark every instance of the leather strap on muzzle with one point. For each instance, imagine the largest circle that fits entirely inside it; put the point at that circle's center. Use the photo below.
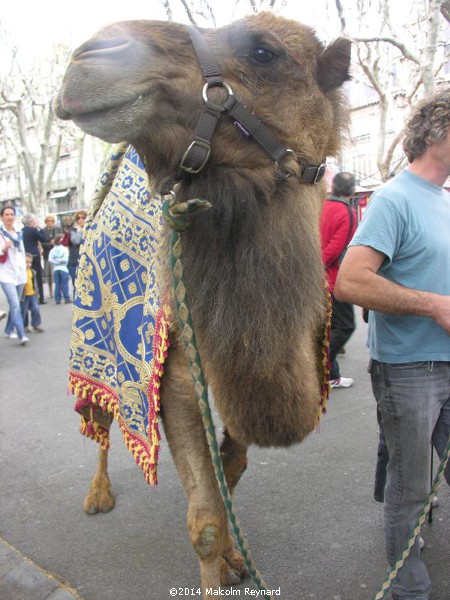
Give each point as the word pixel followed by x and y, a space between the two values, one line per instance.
pixel 197 154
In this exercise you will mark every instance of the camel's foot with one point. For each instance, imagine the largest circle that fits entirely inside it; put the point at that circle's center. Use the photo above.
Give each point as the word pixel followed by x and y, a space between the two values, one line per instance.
pixel 232 568
pixel 220 564
pixel 100 498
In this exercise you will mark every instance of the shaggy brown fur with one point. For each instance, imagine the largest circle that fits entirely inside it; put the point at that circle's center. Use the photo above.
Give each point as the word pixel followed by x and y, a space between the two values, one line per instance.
pixel 252 262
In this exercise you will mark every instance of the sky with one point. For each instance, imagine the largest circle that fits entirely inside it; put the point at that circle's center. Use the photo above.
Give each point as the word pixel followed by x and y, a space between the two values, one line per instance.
pixel 51 21
pixel 47 22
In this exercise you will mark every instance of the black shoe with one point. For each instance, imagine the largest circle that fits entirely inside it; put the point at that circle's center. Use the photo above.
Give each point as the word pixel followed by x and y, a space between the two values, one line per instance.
pixel 42 301
pixel 67 301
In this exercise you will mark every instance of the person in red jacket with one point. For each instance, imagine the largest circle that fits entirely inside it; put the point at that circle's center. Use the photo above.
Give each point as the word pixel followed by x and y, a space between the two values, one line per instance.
pixel 337 226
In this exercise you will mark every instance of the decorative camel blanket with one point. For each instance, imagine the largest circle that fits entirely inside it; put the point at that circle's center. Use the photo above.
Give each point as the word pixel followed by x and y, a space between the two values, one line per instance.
pixel 120 328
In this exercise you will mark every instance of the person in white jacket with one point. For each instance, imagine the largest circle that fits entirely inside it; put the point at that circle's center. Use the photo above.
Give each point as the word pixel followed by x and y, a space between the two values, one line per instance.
pixel 13 273
pixel 59 257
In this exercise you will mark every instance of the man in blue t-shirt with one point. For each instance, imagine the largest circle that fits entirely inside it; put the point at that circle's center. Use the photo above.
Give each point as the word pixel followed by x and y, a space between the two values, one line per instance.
pixel 398 266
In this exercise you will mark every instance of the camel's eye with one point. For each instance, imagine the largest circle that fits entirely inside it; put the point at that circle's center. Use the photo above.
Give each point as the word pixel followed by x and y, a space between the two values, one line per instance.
pixel 262 55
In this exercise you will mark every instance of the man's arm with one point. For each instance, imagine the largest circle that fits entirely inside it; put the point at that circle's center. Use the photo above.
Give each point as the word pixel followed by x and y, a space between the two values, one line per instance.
pixel 39 234
pixel 358 282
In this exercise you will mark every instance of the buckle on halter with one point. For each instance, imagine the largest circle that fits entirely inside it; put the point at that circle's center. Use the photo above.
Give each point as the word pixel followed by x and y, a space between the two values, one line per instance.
pixel 320 172
pixel 200 154
pixel 313 173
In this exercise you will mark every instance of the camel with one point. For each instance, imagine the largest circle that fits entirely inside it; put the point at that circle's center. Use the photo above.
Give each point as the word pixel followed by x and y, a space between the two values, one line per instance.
pixel 252 263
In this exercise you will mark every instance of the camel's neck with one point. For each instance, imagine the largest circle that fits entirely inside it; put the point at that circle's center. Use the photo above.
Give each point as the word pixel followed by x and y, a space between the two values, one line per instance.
pixel 252 265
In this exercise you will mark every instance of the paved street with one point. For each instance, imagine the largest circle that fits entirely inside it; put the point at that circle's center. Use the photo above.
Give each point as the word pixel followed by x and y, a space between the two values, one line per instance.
pixel 313 527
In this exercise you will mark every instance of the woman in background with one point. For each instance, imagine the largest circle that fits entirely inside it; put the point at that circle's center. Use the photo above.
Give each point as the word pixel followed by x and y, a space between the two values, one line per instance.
pixel 33 236
pixel 76 235
pixel 13 274
pixel 50 231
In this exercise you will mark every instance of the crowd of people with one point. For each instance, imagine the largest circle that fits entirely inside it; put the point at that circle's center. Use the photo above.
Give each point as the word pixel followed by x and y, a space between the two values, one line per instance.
pixel 30 256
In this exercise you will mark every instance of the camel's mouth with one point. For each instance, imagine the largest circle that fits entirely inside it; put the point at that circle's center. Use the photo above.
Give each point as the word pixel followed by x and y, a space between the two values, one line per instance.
pixel 70 110
pixel 105 122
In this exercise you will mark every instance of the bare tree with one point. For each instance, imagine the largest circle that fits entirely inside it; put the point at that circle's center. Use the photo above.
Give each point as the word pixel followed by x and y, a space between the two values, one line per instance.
pixel 427 25
pixel 399 63
pixel 28 127
pixel 201 12
pixel 445 10
pixel 197 11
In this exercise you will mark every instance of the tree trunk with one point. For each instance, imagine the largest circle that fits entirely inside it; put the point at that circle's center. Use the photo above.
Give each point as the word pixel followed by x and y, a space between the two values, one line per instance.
pixel 80 185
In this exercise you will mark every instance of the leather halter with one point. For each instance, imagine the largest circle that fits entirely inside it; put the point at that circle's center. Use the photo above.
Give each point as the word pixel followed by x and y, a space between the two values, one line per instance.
pixel 197 154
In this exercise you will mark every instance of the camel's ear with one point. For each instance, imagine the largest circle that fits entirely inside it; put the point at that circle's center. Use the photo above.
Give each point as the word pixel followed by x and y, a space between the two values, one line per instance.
pixel 334 64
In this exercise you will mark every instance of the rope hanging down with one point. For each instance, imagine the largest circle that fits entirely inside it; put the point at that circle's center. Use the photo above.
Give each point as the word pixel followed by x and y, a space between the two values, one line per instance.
pixel 393 571
pixel 174 214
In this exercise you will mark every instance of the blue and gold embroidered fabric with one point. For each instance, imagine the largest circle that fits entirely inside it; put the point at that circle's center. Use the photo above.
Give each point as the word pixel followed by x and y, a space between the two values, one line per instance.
pixel 120 328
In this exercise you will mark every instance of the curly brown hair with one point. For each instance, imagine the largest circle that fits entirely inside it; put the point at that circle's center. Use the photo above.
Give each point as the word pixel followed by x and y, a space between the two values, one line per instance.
pixel 429 123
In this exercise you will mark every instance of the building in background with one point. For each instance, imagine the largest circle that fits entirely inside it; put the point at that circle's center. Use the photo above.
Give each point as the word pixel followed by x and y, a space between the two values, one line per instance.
pixel 71 186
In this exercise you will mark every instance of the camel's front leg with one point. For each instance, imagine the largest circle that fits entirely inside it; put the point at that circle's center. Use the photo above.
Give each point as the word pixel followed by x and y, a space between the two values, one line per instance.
pixel 206 518
pixel 100 497
pixel 234 461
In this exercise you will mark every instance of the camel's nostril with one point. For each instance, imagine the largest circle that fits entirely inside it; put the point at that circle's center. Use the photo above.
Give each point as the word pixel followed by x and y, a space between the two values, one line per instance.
pixel 103 48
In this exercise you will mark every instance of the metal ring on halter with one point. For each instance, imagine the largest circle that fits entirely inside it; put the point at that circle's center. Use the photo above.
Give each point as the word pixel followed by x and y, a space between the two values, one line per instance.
pixel 215 84
pixel 171 195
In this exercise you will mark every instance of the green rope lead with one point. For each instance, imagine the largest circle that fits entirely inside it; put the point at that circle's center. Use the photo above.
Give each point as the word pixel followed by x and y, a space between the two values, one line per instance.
pixel 393 571
pixel 187 336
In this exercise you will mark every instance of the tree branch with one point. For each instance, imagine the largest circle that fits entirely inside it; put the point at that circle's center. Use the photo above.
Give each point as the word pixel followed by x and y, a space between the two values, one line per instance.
pixel 166 5
pixel 389 40
pixel 54 163
pixel 371 73
pixel 341 16
pixel 12 106
pixel 445 10
pixel 188 12
pixel 45 144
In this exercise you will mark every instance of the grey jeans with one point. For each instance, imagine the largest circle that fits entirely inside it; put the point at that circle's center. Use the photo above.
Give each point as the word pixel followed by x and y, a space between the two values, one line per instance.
pixel 414 400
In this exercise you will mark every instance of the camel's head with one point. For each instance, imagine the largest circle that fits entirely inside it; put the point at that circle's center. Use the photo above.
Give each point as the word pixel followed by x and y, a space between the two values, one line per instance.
pixel 140 81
